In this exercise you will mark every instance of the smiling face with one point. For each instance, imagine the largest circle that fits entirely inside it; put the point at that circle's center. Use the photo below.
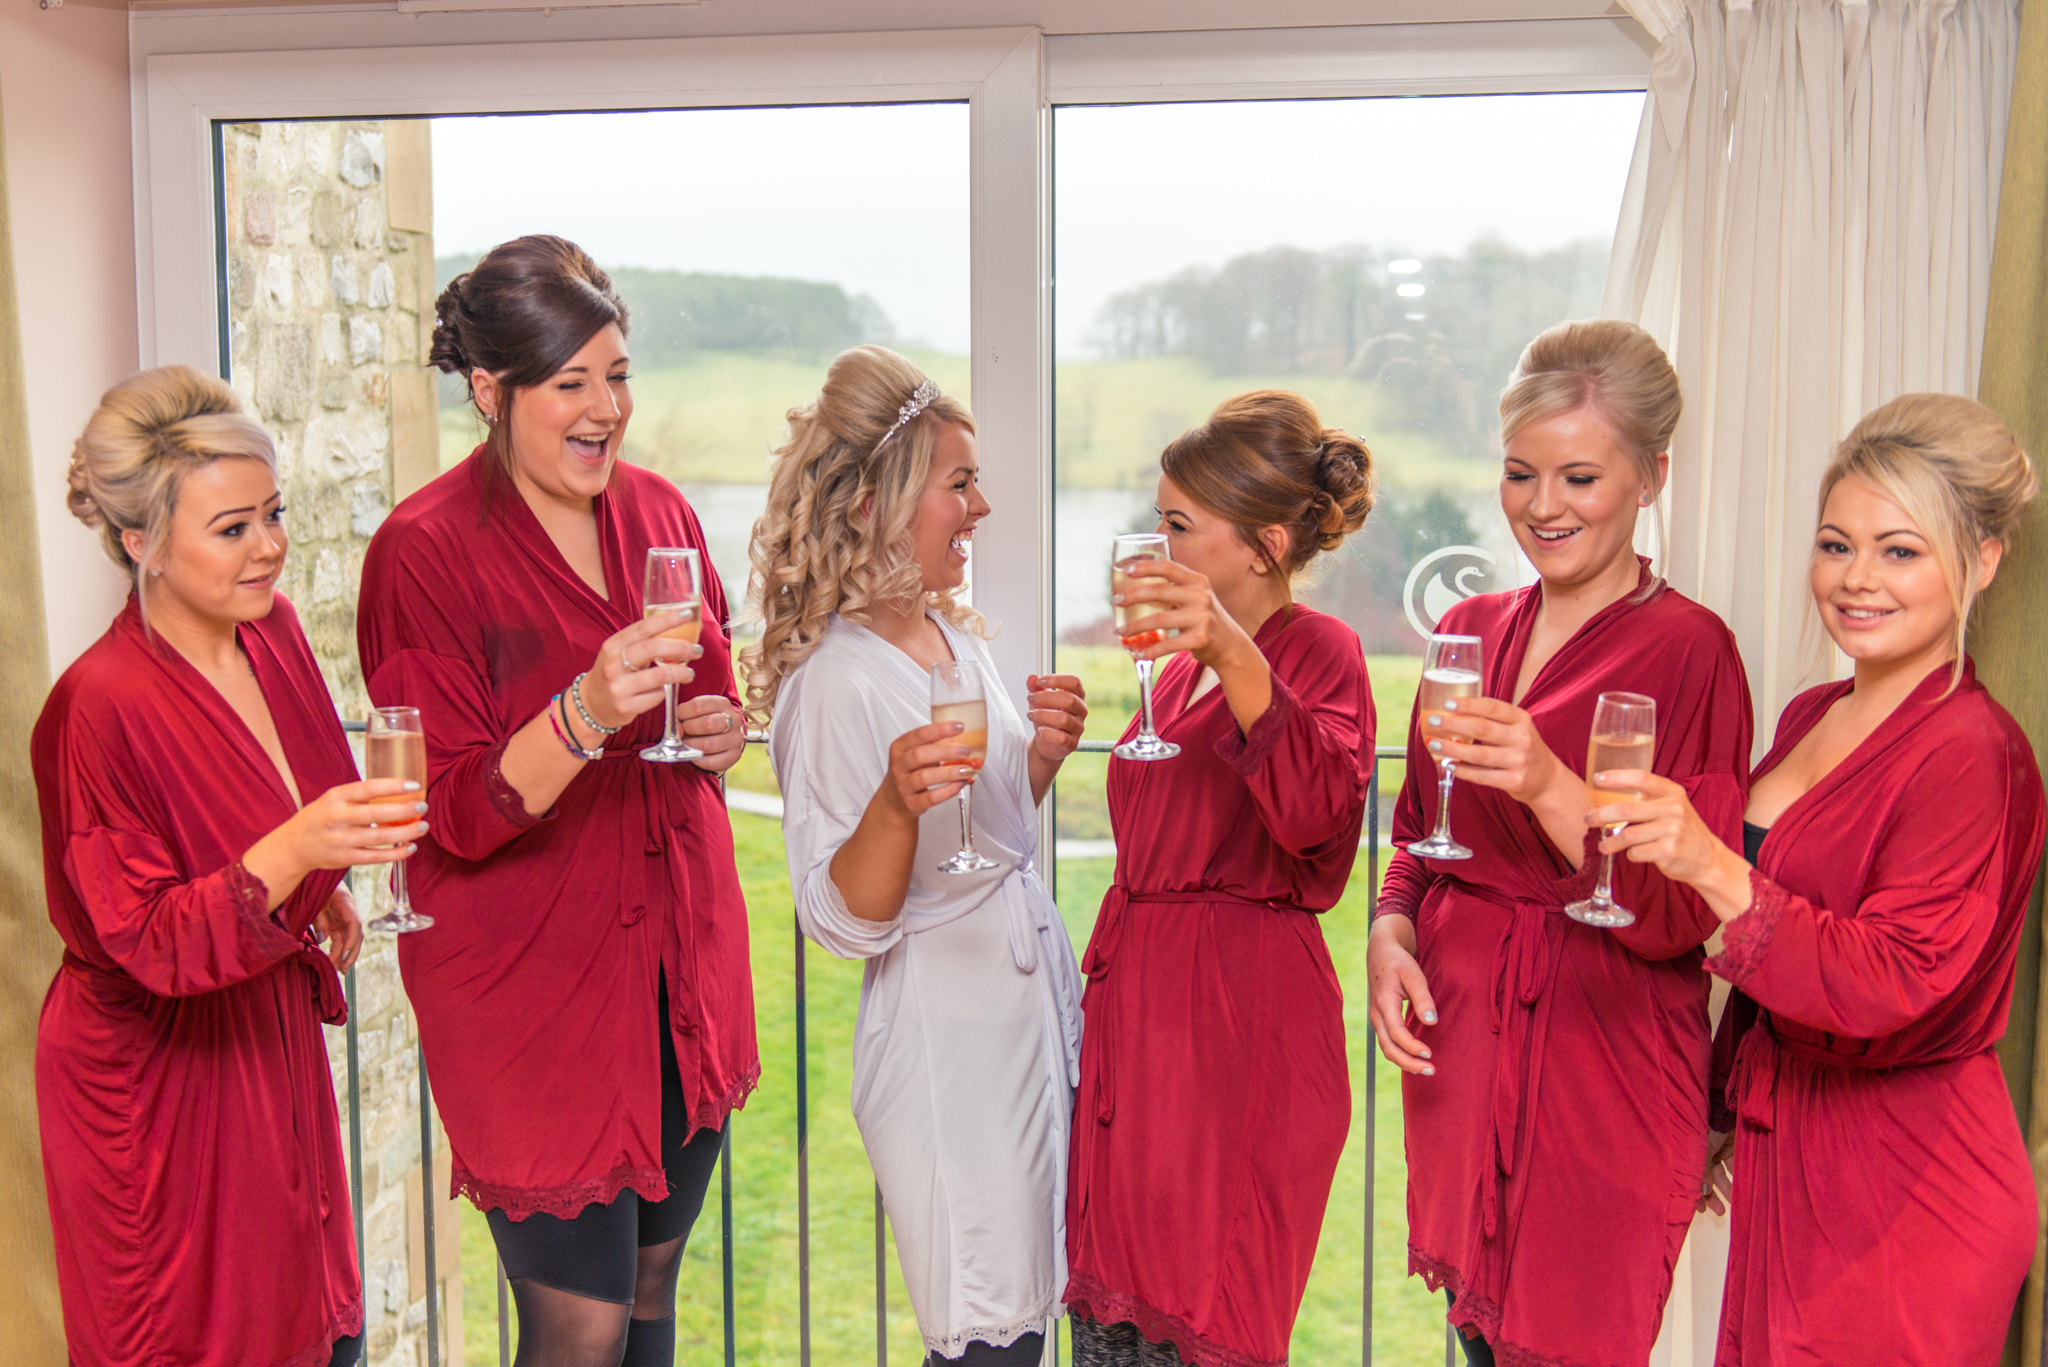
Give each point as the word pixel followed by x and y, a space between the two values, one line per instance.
pixel 1571 491
pixel 948 510
pixel 1209 544
pixel 225 546
pixel 1878 584
pixel 567 430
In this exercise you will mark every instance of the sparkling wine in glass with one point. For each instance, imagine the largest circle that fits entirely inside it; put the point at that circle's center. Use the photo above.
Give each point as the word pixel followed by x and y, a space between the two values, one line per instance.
pixel 1125 572
pixel 1624 737
pixel 394 746
pixel 675 583
pixel 1450 669
pixel 957 695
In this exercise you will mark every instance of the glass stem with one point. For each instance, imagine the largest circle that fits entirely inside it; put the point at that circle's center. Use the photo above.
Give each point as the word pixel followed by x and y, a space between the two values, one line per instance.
pixel 668 726
pixel 1145 695
pixel 1447 773
pixel 401 899
pixel 1603 892
pixel 966 822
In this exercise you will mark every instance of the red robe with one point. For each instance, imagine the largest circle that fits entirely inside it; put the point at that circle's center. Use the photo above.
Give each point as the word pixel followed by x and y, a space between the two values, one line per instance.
pixel 1554 1160
pixel 191 1146
pixel 1214 1096
pixel 536 988
pixel 1884 1207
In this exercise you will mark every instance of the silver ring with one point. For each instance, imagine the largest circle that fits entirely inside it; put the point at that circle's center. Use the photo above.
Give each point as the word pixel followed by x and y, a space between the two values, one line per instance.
pixel 728 723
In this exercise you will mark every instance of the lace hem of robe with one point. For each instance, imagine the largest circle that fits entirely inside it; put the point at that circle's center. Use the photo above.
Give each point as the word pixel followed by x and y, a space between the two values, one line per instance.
pixel 349 1321
pixel 1745 939
pixel 954 1345
pixel 1091 1298
pixel 714 1112
pixel 563 1202
pixel 1473 1313
pixel 505 799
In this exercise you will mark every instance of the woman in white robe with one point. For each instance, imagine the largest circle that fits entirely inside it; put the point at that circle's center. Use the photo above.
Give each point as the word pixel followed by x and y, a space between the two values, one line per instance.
pixel 968 1037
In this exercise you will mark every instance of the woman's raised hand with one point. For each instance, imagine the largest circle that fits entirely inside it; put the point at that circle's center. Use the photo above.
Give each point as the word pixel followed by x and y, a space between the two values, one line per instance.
pixel 621 684
pixel 1663 828
pixel 1496 745
pixel 341 927
pixel 927 766
pixel 1207 632
pixel 370 821
pixel 1059 712
pixel 1395 981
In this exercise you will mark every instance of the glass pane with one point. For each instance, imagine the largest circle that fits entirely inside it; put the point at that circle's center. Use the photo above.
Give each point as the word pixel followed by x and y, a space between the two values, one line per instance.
pixel 751 246
pixel 1388 259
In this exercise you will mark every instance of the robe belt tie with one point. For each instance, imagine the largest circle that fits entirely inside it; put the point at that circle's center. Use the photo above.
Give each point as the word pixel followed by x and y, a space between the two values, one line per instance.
pixel 1102 948
pixel 1761 1059
pixel 1521 974
pixel 1037 935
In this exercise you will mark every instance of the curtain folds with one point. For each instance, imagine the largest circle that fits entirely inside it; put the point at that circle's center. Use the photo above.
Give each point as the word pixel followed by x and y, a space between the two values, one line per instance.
pixel 31 1324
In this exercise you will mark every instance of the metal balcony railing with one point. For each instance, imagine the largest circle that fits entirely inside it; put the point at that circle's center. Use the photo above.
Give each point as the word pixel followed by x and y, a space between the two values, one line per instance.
pixel 1371 850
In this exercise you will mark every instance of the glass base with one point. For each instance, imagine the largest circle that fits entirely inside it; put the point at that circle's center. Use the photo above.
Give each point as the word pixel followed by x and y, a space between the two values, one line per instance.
pixel 1146 747
pixel 1438 847
pixel 665 752
pixel 400 922
pixel 1593 912
pixel 968 861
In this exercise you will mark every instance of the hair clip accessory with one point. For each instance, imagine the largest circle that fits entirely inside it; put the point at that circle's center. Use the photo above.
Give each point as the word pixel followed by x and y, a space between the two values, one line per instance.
pixel 920 399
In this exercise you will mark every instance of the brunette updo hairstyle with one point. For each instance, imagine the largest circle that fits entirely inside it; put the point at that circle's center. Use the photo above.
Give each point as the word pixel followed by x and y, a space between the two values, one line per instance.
pixel 148 433
pixel 1956 470
pixel 521 313
pixel 1264 459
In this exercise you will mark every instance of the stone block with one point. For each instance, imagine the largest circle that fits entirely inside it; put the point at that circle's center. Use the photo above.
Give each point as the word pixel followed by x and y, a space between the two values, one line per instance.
pixel 327 582
pixel 319 148
pixel 238 339
pixel 241 280
pixel 246 149
pixel 367 510
pixel 336 393
pixel 294 223
pixel 383 1338
pixel 259 218
pixel 365 340
pixel 284 372
pixel 341 278
pixel 281 149
pixel 368 223
pixel 415 432
pixel 382 286
pixel 312 279
pixel 409 174
pixel 376 388
pixel 362 158
pixel 277 280
pixel 330 338
pixel 330 219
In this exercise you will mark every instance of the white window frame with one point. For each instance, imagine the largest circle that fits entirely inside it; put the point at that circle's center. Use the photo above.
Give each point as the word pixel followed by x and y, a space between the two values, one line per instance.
pixel 316 65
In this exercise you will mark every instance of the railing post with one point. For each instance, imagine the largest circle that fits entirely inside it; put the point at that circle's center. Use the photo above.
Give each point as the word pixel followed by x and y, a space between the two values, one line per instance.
pixel 355 1143
pixel 1372 1057
pixel 803 1166
pixel 504 1323
pixel 427 1212
pixel 725 1241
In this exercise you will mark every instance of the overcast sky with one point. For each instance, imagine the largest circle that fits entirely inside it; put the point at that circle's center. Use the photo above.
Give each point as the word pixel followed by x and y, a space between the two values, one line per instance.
pixel 876 198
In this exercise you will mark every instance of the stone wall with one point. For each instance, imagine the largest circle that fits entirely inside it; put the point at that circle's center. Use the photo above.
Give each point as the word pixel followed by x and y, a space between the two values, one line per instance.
pixel 330 263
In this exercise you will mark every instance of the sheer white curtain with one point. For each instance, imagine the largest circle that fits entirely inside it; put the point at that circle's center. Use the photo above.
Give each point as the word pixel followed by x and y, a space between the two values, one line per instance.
pixel 1808 230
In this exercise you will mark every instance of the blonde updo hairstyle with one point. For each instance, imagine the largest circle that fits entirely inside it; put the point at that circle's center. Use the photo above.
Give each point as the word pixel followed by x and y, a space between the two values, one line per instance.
pixel 148 433
pixel 1264 459
pixel 1617 370
pixel 1956 470
pixel 837 536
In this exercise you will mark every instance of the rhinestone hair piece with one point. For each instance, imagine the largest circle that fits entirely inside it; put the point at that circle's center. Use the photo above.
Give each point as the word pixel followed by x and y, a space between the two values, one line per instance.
pixel 920 399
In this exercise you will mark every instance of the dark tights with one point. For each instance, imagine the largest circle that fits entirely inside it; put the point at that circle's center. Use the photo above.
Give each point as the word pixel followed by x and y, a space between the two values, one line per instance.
pixel 599 1289
pixel 1025 1352
pixel 1478 1352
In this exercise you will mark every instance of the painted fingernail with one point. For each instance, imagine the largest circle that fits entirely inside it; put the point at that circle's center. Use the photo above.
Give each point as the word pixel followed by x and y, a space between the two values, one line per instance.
pixel 1451 705
pixel 1436 745
pixel 1600 777
pixel 1432 721
pixel 412 785
pixel 420 807
pixel 1429 1072
pixel 1429 1016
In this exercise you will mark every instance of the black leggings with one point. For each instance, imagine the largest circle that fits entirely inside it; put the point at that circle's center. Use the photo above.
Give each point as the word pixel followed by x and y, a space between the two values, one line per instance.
pixel 599 1289
pixel 1478 1352
pixel 1025 1352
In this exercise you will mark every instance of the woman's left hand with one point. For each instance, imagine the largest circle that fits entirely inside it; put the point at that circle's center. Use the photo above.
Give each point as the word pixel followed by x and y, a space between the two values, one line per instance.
pixel 341 927
pixel 1059 711
pixel 1663 828
pixel 710 722
pixel 1207 632
pixel 1496 745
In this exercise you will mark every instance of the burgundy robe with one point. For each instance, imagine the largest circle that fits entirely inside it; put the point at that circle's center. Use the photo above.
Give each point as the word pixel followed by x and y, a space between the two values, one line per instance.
pixel 1214 1096
pixel 1554 1160
pixel 536 989
pixel 191 1146
pixel 1884 1207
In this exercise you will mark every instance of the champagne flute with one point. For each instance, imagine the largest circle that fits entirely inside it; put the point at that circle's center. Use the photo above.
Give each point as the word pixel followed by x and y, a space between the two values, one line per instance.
pixel 675 583
pixel 394 746
pixel 957 696
pixel 1624 737
pixel 1450 669
pixel 1129 626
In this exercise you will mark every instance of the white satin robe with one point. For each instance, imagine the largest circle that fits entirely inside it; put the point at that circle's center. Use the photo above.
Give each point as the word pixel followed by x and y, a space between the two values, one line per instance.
pixel 966 1051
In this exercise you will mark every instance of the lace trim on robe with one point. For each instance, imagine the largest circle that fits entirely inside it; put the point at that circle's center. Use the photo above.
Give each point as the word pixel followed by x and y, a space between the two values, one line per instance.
pixel 1474 1314
pixel 1247 752
pixel 954 1345
pixel 505 799
pixel 716 1110
pixel 349 1321
pixel 252 899
pixel 1091 1298
pixel 1745 939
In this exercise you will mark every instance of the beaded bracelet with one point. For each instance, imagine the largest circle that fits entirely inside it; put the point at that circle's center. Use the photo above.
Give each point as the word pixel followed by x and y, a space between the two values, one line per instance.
pixel 562 730
pixel 576 696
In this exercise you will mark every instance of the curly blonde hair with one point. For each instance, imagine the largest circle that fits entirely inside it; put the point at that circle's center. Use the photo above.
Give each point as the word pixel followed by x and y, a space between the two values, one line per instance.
pixel 837 536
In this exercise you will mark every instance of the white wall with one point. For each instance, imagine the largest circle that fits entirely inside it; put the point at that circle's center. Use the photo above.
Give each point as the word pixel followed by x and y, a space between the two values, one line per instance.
pixel 64 98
